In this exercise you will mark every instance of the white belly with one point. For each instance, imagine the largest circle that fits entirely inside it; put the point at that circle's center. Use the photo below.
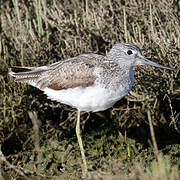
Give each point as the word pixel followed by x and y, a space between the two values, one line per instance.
pixel 87 99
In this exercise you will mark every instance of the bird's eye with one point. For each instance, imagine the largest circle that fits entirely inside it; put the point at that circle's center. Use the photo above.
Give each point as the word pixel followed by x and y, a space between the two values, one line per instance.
pixel 129 52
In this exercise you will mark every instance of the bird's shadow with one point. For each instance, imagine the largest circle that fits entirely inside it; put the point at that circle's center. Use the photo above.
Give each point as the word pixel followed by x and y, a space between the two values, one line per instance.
pixel 164 135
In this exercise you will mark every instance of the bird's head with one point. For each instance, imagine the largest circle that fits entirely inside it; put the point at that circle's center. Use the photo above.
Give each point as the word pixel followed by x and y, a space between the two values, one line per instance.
pixel 130 55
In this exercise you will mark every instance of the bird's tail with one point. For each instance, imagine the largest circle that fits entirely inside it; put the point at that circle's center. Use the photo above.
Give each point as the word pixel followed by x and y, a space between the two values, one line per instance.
pixel 27 74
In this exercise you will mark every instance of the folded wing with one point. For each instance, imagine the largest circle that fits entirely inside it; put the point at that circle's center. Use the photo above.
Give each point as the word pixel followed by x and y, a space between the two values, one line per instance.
pixel 73 72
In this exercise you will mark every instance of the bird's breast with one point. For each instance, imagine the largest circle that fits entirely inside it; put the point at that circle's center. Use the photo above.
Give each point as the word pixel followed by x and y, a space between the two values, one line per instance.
pixel 92 98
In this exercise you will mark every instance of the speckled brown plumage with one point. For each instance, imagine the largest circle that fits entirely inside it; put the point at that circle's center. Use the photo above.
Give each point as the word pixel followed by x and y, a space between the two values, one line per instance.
pixel 63 74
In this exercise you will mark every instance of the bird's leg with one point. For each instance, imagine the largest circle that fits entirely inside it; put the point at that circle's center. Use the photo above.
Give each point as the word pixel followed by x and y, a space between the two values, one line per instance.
pixel 78 134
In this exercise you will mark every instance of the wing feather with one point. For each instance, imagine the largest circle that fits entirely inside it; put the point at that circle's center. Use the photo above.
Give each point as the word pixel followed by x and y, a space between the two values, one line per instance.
pixel 73 72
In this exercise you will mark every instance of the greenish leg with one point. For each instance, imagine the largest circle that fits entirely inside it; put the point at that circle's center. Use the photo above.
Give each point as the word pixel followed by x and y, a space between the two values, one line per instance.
pixel 78 134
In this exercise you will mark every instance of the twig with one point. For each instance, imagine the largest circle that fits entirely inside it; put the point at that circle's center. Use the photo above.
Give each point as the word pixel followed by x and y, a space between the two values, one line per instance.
pixel 172 115
pixel 35 121
pixel 153 135
pixel 11 166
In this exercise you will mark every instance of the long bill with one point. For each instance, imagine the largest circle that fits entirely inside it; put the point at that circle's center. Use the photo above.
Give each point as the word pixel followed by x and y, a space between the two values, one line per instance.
pixel 143 61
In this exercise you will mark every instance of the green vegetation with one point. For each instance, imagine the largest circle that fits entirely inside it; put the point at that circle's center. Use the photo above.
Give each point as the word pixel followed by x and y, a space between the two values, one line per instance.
pixel 37 136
